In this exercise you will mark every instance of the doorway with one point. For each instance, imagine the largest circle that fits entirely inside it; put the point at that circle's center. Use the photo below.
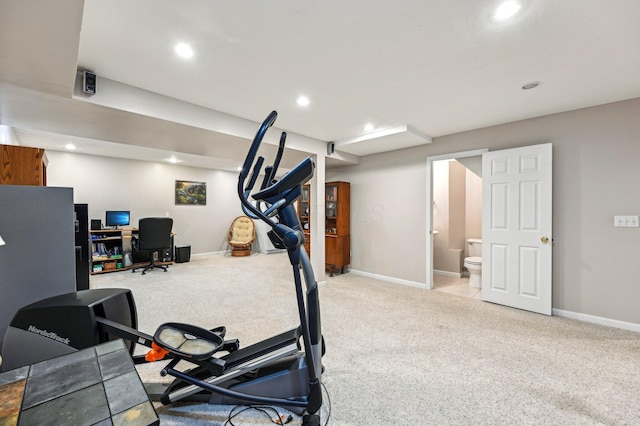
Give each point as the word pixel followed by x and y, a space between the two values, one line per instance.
pixel 516 225
pixel 454 254
pixel 457 219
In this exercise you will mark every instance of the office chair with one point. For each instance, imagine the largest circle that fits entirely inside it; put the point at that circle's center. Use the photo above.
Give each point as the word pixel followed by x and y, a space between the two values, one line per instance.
pixel 242 233
pixel 154 234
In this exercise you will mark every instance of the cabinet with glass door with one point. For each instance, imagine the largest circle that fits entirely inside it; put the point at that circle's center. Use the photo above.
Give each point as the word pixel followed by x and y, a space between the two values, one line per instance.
pixel 336 224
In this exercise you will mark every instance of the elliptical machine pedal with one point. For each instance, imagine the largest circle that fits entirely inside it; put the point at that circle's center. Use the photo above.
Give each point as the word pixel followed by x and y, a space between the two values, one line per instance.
pixel 187 341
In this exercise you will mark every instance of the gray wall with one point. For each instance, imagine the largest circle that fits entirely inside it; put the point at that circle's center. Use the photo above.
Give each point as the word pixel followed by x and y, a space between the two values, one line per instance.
pixel 595 176
pixel 147 189
pixel 38 260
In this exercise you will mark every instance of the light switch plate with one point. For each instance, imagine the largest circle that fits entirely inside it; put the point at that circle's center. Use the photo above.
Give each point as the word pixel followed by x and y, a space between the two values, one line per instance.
pixel 626 221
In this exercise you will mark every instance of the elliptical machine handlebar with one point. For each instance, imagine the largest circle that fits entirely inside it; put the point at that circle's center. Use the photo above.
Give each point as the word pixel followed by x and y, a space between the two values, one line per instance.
pixel 249 187
pixel 270 171
pixel 275 194
pixel 257 140
pixel 244 192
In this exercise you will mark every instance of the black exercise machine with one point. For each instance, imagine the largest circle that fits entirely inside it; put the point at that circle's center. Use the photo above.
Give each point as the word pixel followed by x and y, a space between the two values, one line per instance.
pixel 284 370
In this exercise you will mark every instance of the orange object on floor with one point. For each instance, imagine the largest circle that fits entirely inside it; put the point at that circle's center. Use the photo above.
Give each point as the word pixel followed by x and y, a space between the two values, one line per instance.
pixel 156 353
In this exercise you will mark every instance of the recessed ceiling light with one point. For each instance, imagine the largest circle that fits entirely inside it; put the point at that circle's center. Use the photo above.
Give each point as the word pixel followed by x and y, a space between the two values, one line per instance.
pixel 239 168
pixel 531 85
pixel 173 160
pixel 303 101
pixel 70 146
pixel 369 127
pixel 506 10
pixel 183 50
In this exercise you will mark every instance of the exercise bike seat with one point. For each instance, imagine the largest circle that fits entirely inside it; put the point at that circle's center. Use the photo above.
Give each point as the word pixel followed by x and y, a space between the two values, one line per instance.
pixel 188 341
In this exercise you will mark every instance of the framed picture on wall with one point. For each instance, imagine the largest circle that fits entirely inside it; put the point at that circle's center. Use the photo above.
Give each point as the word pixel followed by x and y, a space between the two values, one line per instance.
pixel 191 193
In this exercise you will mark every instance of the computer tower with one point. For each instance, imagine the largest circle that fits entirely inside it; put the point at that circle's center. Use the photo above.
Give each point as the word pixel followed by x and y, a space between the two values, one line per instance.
pixel 165 255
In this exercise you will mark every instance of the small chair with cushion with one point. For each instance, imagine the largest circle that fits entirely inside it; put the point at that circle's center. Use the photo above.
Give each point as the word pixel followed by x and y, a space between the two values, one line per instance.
pixel 154 235
pixel 242 233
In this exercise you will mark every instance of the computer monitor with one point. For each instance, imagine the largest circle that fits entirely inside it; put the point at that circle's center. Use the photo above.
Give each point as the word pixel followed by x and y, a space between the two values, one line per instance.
pixel 117 218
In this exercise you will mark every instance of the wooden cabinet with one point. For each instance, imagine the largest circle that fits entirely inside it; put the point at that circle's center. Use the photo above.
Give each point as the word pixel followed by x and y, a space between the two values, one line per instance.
pixel 21 165
pixel 337 223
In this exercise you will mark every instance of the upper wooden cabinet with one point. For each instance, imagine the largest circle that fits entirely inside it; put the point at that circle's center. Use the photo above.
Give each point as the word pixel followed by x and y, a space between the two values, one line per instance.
pixel 21 165
pixel 337 208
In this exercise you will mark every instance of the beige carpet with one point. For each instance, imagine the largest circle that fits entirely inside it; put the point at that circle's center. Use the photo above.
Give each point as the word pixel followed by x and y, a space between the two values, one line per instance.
pixel 399 355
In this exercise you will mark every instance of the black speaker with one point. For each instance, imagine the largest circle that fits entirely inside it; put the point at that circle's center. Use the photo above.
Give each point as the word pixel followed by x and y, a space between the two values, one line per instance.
pixel 331 147
pixel 89 82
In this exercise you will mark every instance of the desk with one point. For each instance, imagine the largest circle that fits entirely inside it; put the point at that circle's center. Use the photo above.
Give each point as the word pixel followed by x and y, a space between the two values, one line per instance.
pixel 109 246
pixel 97 385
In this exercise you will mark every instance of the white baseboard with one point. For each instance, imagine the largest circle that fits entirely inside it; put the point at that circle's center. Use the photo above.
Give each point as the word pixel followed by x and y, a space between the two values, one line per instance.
pixel 557 312
pixel 228 252
pixel 597 320
pixel 205 254
pixel 389 279
pixel 447 273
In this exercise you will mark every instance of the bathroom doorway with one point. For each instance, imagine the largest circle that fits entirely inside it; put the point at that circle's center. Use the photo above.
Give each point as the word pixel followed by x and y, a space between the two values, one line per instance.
pixel 446 247
pixel 517 248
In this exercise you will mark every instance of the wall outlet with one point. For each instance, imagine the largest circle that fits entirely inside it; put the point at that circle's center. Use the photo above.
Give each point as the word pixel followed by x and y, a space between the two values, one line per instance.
pixel 626 221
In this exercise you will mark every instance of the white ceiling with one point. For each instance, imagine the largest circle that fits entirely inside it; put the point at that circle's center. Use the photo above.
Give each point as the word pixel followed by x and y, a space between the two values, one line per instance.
pixel 432 67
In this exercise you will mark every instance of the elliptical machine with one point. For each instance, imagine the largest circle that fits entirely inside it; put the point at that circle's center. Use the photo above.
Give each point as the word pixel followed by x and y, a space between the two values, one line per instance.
pixel 284 370
pixel 275 371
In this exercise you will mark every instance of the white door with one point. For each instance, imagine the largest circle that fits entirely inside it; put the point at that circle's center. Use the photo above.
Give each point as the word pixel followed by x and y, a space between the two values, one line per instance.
pixel 516 227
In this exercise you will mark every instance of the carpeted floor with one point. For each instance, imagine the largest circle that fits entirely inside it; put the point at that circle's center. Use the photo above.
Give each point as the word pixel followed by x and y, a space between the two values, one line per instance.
pixel 399 355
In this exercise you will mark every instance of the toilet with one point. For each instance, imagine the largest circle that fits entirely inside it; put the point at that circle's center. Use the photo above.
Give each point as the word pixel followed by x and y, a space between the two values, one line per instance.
pixel 473 263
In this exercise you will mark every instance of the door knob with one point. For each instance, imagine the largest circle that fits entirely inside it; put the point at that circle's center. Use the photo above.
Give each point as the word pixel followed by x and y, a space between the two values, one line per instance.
pixel 544 240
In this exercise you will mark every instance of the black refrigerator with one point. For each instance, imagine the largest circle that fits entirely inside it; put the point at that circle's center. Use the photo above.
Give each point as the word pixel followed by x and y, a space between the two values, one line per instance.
pixel 81 225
